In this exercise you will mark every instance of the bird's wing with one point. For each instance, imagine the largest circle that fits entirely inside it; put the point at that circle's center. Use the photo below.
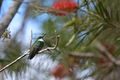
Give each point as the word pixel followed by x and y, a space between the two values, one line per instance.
pixel 33 52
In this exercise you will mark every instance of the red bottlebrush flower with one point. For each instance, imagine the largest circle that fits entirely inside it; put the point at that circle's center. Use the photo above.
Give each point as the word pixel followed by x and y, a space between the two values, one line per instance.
pixel 60 71
pixel 67 6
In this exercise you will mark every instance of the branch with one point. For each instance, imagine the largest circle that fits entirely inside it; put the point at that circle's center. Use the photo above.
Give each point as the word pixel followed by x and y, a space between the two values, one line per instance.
pixel 27 53
pixel 13 62
pixel 43 9
pixel 109 55
pixel 85 55
pixel 4 23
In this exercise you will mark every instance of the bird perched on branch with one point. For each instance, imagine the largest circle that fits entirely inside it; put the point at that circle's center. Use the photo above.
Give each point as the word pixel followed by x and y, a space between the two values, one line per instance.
pixel 37 46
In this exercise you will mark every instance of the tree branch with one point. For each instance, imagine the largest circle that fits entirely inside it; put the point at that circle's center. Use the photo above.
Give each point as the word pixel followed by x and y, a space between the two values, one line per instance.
pixel 13 62
pixel 4 23
pixel 85 55
pixel 27 53
pixel 108 54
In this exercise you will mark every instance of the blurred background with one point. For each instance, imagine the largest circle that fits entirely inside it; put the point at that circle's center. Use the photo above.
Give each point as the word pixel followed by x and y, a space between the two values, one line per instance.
pixel 88 48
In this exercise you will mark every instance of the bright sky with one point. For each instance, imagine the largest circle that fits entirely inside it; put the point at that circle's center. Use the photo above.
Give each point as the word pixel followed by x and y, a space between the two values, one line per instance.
pixel 31 24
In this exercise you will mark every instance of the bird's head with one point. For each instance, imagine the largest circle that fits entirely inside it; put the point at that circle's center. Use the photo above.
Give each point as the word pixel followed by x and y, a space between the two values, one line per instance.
pixel 40 38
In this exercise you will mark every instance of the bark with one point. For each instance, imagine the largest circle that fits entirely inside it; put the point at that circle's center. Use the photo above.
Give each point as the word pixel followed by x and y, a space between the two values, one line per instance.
pixel 4 23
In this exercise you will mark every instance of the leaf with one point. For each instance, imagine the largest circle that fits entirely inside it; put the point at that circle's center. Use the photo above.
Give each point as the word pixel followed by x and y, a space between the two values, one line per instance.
pixel 101 10
pixel 70 23
pixel 71 40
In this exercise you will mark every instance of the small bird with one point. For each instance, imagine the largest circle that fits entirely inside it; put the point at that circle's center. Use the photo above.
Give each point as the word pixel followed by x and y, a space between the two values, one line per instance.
pixel 37 46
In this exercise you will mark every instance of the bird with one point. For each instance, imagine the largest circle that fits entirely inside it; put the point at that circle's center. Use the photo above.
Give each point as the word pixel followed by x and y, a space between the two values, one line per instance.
pixel 37 46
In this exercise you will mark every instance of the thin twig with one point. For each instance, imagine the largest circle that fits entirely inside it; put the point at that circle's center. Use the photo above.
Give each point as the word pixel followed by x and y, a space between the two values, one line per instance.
pixel 85 55
pixel 108 54
pixel 44 9
pixel 31 39
pixel 13 62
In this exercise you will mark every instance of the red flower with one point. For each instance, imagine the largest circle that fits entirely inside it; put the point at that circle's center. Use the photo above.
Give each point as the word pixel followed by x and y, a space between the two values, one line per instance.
pixel 67 6
pixel 60 71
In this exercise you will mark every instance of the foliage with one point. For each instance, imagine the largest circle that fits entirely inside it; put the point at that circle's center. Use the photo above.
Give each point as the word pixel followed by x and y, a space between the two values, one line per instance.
pixel 93 22
pixel 12 51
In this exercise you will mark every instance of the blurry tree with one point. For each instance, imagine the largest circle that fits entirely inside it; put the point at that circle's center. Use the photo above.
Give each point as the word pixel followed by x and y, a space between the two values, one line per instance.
pixel 89 38
pixel 97 24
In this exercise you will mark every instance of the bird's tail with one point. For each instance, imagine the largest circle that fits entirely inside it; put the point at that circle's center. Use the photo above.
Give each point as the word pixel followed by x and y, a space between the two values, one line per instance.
pixel 31 56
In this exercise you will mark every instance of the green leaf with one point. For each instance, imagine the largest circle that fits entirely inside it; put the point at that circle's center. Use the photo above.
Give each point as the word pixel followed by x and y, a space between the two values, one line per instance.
pixel 70 23
pixel 71 40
